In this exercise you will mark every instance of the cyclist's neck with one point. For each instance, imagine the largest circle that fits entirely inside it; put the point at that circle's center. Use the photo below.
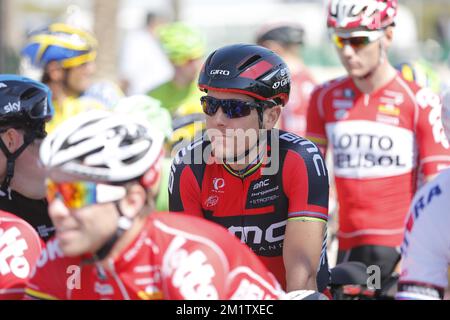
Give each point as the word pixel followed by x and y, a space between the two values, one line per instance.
pixel 125 240
pixel 254 157
pixel 381 76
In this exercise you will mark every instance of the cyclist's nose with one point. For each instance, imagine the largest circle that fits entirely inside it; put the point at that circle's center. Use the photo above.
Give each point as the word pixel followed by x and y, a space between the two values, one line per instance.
pixel 57 209
pixel 347 50
pixel 220 118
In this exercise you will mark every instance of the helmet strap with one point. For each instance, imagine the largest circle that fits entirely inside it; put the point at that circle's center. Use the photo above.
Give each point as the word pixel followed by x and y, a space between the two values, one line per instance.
pixel 11 159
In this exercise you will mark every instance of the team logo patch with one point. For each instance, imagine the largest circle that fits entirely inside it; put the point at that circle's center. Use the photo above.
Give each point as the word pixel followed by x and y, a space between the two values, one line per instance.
pixel 341 114
pixel 389 110
pixel 211 201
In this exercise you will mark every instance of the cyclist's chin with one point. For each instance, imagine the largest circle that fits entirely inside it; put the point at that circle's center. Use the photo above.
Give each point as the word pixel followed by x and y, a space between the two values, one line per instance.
pixel 72 243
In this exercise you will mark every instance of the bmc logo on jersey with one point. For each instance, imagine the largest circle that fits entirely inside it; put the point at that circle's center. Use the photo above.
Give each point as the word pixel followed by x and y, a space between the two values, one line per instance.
pixel 261 184
pixel 12 249
pixel 274 233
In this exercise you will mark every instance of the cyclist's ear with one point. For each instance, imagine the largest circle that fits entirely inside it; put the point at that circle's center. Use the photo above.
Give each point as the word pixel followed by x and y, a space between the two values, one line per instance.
pixel 54 71
pixel 271 117
pixel 13 139
pixel 135 200
pixel 388 36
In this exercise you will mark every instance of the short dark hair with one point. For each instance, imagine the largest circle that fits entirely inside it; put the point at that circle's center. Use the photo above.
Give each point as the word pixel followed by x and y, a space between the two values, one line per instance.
pixel 283 34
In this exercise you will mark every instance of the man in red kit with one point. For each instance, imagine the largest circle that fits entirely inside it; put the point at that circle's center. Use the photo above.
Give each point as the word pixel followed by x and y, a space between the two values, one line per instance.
pixel 385 134
pixel 20 247
pixel 104 176
pixel 286 40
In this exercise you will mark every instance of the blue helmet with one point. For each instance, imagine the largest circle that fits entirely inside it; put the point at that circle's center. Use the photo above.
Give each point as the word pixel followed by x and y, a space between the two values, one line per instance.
pixel 60 42
pixel 24 104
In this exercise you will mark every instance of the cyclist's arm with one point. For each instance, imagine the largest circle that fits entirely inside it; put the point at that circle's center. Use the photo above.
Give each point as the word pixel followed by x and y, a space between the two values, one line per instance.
pixel 184 191
pixel 20 247
pixel 315 123
pixel 301 254
pixel 307 191
pixel 434 149
pixel 426 244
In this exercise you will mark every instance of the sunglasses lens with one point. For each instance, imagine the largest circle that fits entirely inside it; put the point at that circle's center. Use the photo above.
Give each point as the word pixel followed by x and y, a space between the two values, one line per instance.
pixel 209 105
pixel 232 108
pixel 338 41
pixel 354 42
pixel 75 195
pixel 359 42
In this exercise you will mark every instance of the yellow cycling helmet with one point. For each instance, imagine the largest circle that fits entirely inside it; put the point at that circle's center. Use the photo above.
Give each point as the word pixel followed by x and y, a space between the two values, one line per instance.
pixel 60 42
pixel 181 42
pixel 422 73
pixel 188 123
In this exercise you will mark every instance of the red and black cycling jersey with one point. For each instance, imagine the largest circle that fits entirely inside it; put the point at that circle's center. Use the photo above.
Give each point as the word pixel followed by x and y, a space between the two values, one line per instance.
pixel 291 182
pixel 32 211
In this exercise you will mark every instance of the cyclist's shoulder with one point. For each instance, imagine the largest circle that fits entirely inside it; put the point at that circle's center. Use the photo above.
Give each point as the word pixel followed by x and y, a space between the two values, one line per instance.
pixel 291 142
pixel 192 228
pixel 433 196
pixel 192 153
pixel 332 85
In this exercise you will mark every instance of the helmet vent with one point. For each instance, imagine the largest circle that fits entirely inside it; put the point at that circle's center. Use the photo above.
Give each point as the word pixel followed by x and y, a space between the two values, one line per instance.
pixel 28 94
pixel 249 62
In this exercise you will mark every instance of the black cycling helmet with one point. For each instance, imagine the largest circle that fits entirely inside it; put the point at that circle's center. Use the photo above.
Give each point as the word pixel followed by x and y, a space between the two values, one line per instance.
pixel 248 69
pixel 283 34
pixel 24 104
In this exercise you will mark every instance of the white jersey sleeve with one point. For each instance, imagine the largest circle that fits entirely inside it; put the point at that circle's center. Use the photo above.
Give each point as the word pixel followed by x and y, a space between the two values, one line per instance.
pixel 426 245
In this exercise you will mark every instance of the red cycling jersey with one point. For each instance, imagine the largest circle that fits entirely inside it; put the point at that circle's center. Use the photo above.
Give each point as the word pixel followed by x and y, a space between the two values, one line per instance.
pixel 382 144
pixel 20 247
pixel 173 257
pixel 293 117
pixel 255 205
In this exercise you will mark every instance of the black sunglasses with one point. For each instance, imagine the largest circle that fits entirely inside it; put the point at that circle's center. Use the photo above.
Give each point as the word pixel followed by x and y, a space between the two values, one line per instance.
pixel 232 108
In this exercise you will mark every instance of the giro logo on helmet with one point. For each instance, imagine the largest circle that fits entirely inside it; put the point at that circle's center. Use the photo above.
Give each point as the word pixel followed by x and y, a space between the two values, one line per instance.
pixel 222 72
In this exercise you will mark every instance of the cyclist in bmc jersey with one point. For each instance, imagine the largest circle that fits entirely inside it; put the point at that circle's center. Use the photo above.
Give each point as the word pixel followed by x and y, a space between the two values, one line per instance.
pixel 426 244
pixel 385 134
pixel 26 108
pixel 20 247
pixel 104 175
pixel 270 190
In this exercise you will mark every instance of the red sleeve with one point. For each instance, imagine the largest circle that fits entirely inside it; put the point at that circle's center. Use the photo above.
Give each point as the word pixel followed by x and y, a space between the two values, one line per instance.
pixel 20 247
pixel 434 149
pixel 184 191
pixel 307 189
pixel 315 121
pixel 48 281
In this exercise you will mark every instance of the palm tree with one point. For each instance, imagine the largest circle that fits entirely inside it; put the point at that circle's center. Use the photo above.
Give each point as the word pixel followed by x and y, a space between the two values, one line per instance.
pixel 106 31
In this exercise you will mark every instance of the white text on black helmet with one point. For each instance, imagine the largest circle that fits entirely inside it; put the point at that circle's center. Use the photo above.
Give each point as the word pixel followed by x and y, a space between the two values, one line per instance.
pixel 222 72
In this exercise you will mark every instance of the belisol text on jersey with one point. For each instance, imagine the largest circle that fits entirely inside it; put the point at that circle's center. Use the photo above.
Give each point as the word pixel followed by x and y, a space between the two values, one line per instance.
pixel 365 150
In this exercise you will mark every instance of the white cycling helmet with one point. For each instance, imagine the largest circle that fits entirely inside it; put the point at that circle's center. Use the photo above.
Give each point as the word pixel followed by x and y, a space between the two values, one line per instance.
pixel 102 147
pixel 446 113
